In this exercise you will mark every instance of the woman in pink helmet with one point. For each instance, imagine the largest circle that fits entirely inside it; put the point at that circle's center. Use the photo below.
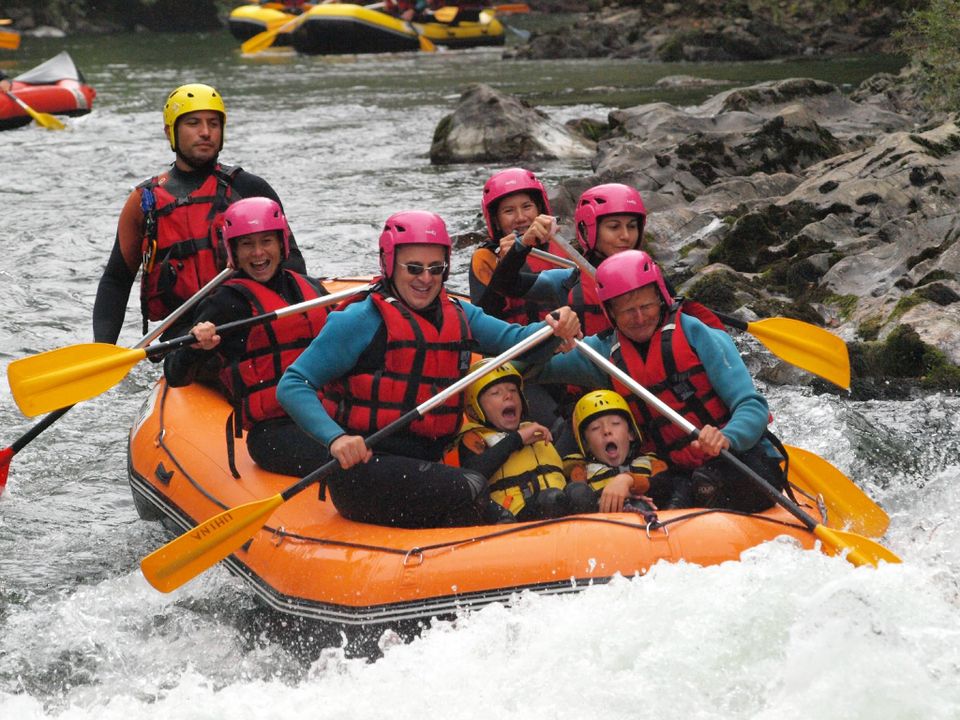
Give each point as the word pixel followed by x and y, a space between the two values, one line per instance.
pixel 609 219
pixel 514 206
pixel 695 369
pixel 247 365
pixel 383 355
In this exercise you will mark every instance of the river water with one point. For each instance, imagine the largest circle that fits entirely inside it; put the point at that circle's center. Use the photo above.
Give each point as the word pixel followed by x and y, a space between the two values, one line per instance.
pixel 781 634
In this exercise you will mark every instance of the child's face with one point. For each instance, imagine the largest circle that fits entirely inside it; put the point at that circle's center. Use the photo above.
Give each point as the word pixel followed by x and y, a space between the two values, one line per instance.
pixel 501 405
pixel 608 438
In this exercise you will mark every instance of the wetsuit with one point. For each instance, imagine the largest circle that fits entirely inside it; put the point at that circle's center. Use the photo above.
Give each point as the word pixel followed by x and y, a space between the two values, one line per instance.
pixel 121 270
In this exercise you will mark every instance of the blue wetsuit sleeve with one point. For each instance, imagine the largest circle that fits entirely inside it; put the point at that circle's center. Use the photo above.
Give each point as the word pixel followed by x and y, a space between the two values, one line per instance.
pixel 493 335
pixel 573 368
pixel 332 354
pixel 732 382
pixel 551 287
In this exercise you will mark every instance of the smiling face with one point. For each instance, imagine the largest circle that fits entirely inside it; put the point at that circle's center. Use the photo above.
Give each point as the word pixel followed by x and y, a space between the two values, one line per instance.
pixel 616 233
pixel 258 254
pixel 502 405
pixel 516 212
pixel 418 291
pixel 637 313
pixel 608 438
pixel 199 137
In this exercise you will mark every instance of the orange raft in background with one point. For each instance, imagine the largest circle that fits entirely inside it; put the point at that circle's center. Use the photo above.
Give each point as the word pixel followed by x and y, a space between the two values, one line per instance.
pixel 310 562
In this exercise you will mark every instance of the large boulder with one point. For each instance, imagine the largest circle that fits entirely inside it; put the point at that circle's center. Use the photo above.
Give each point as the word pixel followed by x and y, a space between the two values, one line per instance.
pixel 487 126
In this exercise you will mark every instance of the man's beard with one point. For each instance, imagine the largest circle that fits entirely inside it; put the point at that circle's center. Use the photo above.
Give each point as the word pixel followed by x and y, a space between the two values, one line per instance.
pixel 198 164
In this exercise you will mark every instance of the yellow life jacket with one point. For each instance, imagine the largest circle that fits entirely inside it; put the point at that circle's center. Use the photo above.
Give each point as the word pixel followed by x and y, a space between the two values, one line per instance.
pixel 526 472
pixel 598 475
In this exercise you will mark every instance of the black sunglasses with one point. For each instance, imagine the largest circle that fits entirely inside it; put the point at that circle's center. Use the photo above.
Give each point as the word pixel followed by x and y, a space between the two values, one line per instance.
pixel 418 268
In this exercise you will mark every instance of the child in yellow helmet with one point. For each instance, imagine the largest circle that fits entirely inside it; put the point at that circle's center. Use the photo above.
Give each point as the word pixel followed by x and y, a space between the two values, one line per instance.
pixel 524 469
pixel 609 463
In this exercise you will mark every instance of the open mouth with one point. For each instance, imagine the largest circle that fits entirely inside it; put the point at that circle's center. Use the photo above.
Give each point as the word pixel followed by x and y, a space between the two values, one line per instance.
pixel 612 454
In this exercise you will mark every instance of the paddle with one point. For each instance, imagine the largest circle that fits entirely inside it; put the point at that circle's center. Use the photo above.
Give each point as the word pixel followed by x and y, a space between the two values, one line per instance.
pixel 63 377
pixel 43 119
pixel 185 557
pixel 860 550
pixel 9 39
pixel 6 455
pixel 799 343
pixel 261 41
pixel 845 502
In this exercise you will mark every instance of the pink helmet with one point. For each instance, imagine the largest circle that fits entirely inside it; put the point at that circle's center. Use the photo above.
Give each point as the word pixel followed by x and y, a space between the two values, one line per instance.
pixel 412 227
pixel 507 182
pixel 253 215
pixel 626 271
pixel 610 199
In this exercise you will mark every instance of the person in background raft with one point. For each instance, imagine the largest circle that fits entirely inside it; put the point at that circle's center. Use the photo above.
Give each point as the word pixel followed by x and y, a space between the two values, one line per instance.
pixel 165 225
pixel 694 369
pixel 383 355
pixel 525 471
pixel 256 238
pixel 5 82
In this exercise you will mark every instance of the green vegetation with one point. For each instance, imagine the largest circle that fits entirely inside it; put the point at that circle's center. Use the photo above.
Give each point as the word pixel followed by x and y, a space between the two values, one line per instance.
pixel 931 38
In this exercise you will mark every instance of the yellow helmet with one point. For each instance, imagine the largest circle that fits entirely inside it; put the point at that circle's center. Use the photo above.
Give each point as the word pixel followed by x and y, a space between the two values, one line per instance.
pixel 596 403
pixel 471 395
pixel 190 98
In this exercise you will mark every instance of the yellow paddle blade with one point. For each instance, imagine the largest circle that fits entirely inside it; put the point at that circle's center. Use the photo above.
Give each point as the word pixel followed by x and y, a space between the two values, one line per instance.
pixel 446 14
pixel 185 557
pixel 265 39
pixel 9 39
pixel 847 505
pixel 426 44
pixel 58 378
pixel 807 346
pixel 862 551
pixel 43 119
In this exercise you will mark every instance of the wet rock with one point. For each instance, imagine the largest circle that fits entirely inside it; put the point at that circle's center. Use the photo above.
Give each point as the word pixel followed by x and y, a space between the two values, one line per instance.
pixel 487 126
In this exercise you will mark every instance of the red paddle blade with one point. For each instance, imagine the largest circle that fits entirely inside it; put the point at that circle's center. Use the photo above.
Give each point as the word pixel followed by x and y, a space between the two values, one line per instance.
pixel 5 456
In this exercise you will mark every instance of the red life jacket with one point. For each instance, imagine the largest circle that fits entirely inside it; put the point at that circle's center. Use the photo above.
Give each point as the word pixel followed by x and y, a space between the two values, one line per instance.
pixel 522 311
pixel 180 253
pixel 673 372
pixel 419 362
pixel 585 302
pixel 270 349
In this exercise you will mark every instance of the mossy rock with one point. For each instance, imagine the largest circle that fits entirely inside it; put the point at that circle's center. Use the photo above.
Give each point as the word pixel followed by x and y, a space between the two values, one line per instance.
pixel 717 290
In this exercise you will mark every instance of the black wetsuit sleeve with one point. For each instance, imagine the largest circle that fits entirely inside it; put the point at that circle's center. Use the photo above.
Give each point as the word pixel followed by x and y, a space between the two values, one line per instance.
pixel 249 185
pixel 491 459
pixel 509 279
pixel 112 294
pixel 225 305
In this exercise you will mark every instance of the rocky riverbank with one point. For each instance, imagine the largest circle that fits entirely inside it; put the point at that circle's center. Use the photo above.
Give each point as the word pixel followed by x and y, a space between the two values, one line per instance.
pixel 712 31
pixel 785 198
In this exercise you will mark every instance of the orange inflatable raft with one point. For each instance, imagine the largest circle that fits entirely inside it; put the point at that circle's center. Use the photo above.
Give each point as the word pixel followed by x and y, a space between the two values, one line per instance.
pixel 310 562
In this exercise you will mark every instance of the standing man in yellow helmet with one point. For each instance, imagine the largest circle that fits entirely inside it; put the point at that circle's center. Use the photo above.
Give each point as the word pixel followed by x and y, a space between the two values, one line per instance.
pixel 165 225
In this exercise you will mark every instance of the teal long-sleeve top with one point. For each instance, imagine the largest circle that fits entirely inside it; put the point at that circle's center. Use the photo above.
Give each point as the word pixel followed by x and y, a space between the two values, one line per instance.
pixel 727 373
pixel 345 338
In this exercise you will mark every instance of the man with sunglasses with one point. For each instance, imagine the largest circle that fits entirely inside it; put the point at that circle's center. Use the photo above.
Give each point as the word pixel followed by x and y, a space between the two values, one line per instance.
pixel 383 355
